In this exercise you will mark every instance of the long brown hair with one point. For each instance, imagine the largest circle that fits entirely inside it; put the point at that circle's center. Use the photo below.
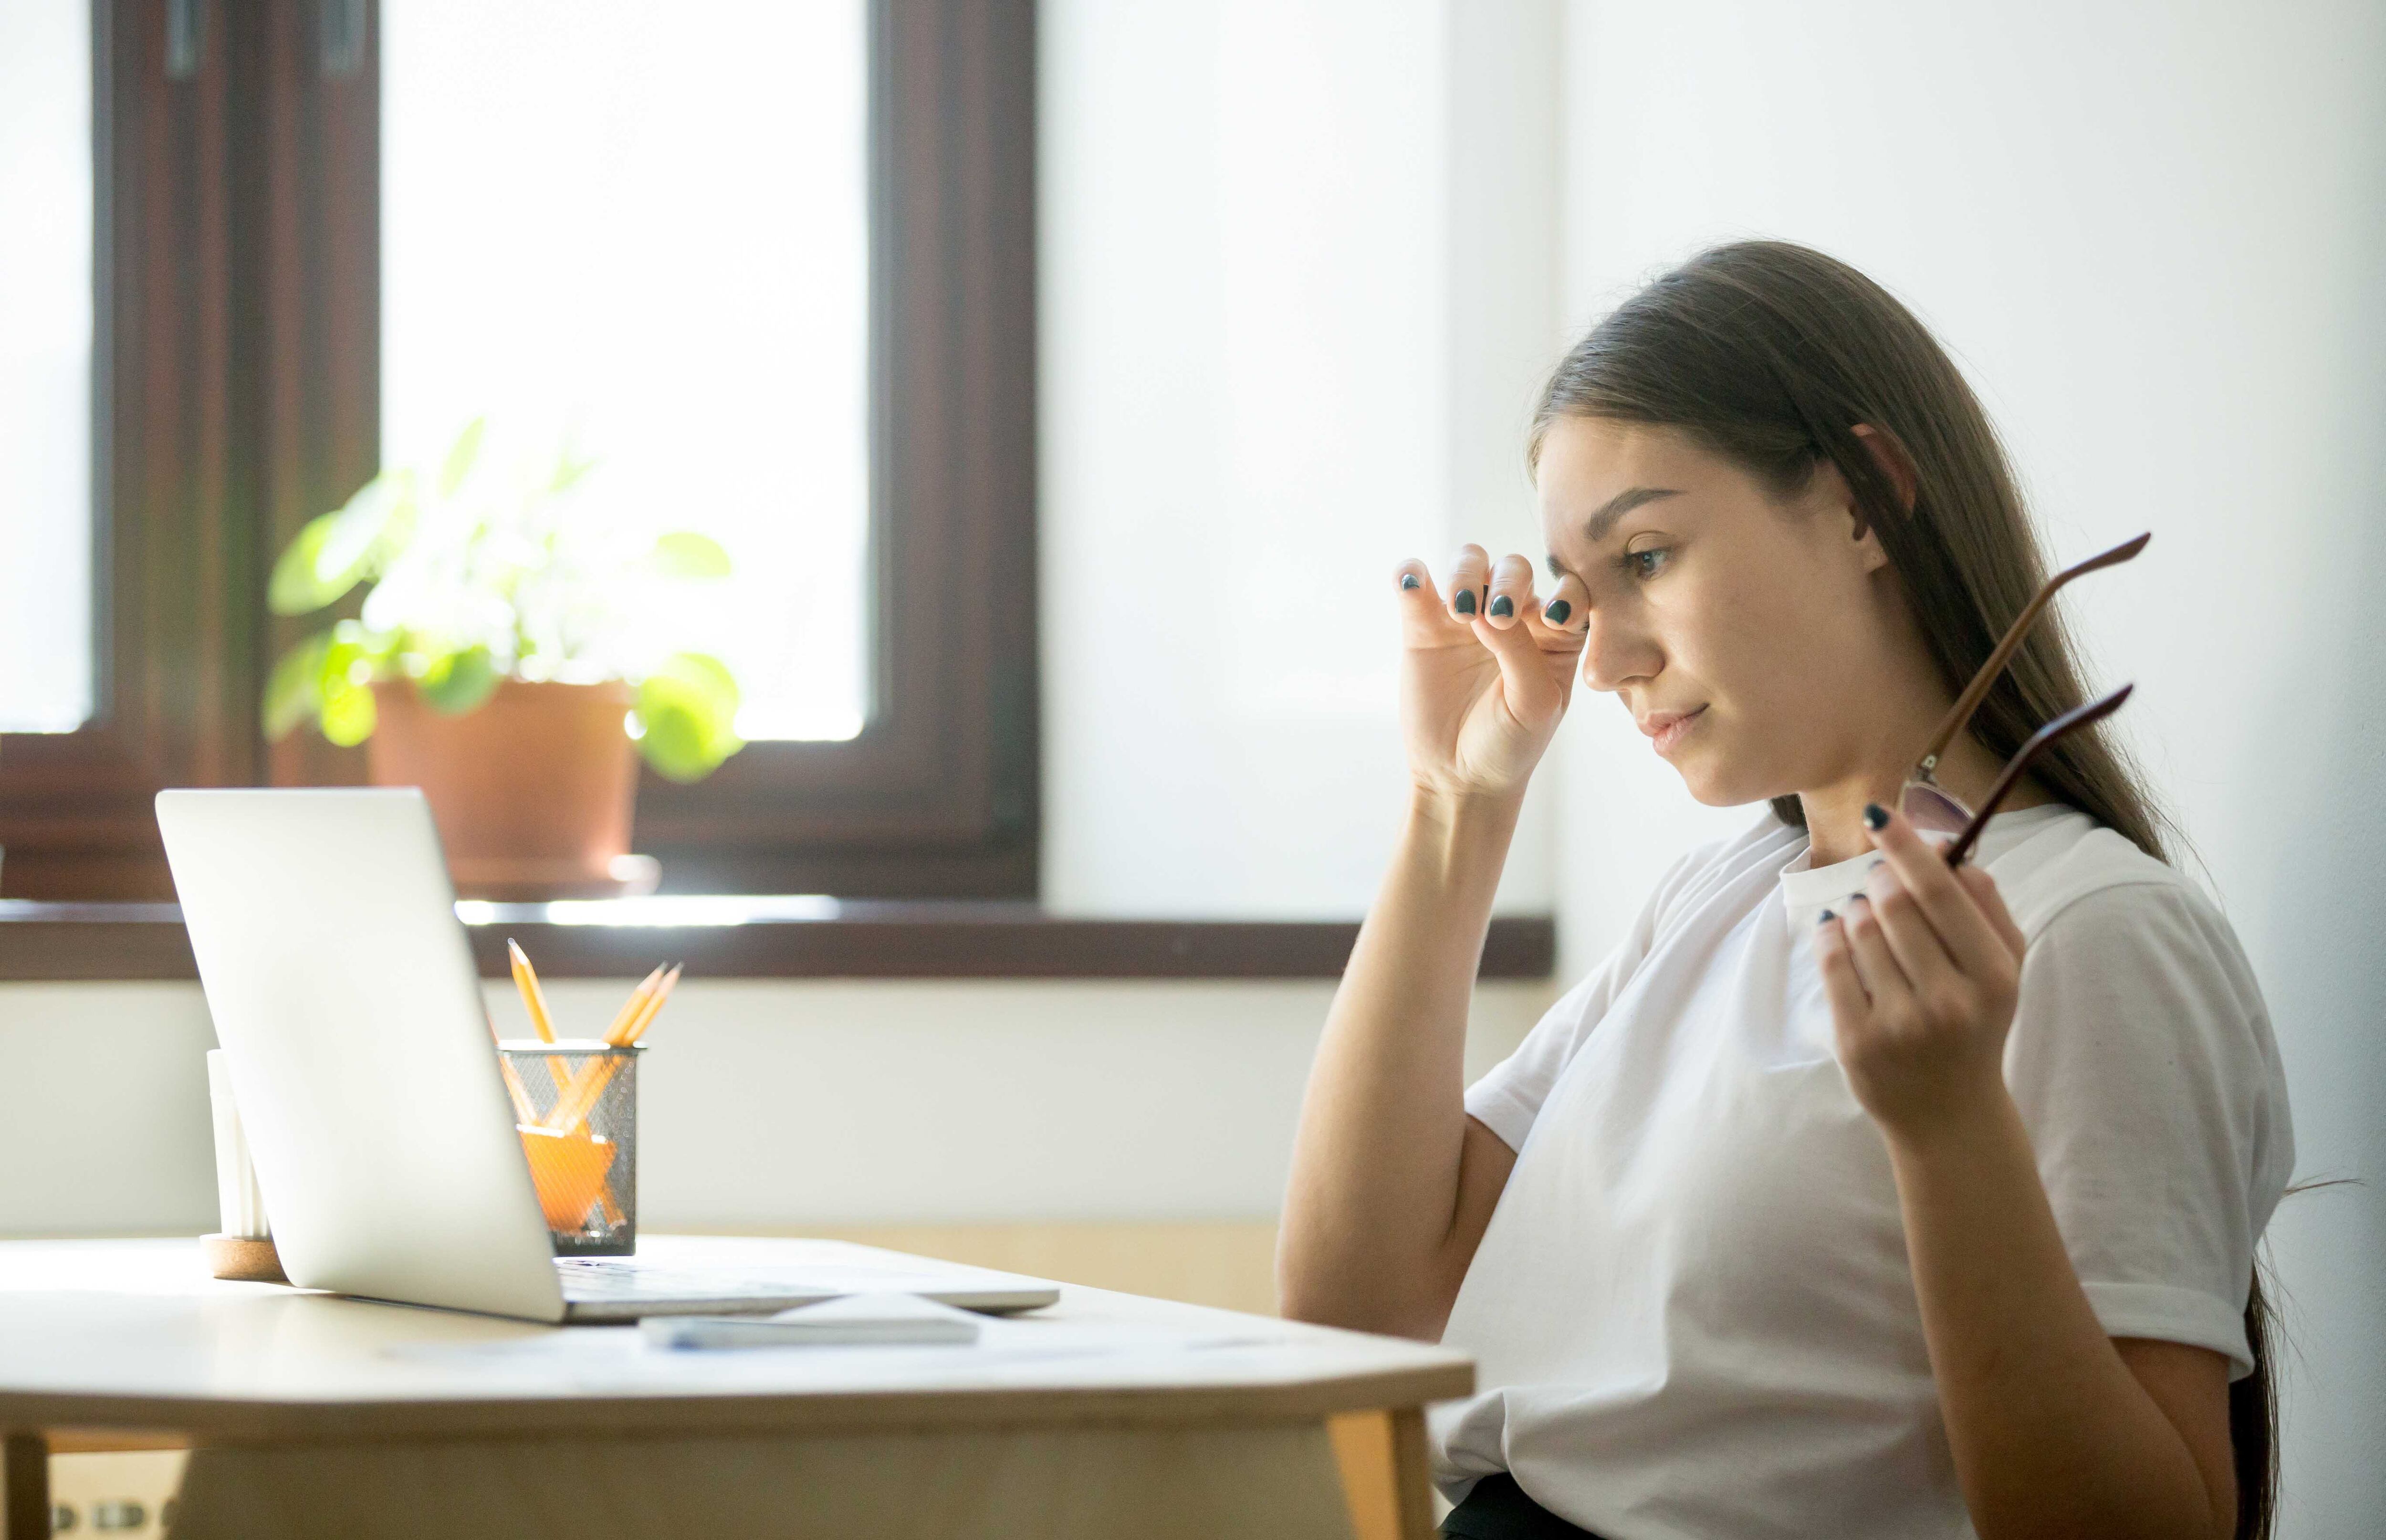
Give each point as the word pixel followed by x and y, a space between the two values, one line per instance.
pixel 1770 355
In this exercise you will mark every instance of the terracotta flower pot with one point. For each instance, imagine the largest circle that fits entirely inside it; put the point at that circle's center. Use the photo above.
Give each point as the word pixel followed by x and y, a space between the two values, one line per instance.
pixel 532 790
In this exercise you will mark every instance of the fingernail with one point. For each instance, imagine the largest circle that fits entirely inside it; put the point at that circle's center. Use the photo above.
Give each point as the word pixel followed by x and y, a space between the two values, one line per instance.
pixel 1876 817
pixel 1824 917
pixel 1407 581
pixel 1502 606
pixel 1465 603
pixel 1557 612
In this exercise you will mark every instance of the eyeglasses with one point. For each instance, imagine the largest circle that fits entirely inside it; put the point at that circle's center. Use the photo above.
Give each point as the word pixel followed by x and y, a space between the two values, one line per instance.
pixel 2018 766
pixel 1930 807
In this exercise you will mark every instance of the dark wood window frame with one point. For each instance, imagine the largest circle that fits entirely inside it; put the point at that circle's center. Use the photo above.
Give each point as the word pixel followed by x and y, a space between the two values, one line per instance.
pixel 237 393
pixel 863 938
pixel 235 256
pixel 938 796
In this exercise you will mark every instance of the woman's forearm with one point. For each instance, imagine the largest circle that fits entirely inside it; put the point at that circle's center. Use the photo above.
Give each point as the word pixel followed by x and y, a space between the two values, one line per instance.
pixel 1377 1168
pixel 2051 1433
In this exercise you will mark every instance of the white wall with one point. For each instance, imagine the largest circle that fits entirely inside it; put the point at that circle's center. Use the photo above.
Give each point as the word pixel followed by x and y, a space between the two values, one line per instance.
pixel 2155 236
pixel 766 1104
pixel 1298 289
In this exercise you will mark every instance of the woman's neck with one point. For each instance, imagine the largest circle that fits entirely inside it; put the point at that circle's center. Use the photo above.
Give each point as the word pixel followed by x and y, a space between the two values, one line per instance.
pixel 1834 829
pixel 1835 826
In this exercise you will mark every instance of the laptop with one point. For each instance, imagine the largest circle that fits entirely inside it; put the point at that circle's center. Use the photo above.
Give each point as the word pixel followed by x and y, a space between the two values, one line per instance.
pixel 343 993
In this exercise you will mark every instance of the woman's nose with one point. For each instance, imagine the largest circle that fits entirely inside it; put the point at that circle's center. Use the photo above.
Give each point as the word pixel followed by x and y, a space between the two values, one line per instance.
pixel 1614 652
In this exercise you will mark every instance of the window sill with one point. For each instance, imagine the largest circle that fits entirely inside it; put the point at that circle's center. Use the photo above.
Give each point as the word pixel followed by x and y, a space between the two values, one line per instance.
pixel 780 938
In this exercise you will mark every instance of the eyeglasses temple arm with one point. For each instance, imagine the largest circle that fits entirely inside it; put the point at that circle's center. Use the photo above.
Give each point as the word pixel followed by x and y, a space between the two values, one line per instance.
pixel 2070 722
pixel 1984 680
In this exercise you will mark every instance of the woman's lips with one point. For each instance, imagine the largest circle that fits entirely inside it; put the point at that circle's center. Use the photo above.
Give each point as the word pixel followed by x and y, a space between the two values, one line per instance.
pixel 1668 728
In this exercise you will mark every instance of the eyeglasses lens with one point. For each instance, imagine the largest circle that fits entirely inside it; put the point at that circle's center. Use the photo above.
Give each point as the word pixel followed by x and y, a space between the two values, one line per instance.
pixel 1932 810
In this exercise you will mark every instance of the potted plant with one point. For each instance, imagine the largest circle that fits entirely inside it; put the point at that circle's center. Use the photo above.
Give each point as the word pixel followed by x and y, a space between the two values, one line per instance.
pixel 512 658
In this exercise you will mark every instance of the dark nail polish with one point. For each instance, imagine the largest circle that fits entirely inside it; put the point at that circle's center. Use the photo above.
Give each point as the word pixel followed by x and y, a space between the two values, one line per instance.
pixel 1464 604
pixel 1876 817
pixel 1502 606
pixel 1407 581
pixel 1824 917
pixel 1557 612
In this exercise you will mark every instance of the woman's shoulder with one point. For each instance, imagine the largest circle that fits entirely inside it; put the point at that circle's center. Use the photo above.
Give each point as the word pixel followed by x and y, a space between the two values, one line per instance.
pixel 2135 989
pixel 2099 898
pixel 1762 846
pixel 2074 861
pixel 1766 841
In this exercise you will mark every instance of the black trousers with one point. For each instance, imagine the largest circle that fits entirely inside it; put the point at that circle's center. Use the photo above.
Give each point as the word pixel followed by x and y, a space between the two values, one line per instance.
pixel 1497 1510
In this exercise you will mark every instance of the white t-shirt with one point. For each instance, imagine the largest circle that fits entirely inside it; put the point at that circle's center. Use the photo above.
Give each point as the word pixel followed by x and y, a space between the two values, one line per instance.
pixel 1691 1314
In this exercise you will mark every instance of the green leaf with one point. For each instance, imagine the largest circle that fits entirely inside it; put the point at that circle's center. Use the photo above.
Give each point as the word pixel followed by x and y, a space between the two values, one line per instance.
pixel 459 463
pixel 685 553
pixel 675 743
pixel 458 682
pixel 350 662
pixel 707 676
pixel 295 690
pixel 688 708
pixel 293 589
pixel 682 743
pixel 363 528
pixel 354 658
pixel 348 713
pixel 569 466
pixel 333 552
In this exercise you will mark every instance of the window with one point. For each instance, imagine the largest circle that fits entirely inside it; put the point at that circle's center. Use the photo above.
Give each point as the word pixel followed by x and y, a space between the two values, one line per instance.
pixel 667 268
pixel 283 203
pixel 45 359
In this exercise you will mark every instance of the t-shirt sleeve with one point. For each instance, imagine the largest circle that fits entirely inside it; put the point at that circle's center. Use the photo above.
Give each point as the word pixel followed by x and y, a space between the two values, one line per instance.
pixel 1509 1097
pixel 2143 1065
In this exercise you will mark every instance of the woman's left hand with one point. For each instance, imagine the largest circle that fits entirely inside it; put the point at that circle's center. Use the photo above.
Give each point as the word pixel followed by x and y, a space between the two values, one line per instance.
pixel 1922 970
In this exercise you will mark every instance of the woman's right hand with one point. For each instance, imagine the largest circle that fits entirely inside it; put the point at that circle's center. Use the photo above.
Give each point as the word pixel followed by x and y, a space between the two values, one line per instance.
pixel 1483 686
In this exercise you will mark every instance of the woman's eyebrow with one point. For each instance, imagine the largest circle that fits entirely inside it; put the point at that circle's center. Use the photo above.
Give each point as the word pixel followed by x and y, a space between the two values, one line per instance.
pixel 1623 502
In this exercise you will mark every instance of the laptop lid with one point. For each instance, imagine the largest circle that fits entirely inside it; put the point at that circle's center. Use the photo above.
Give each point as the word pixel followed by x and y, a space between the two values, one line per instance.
pixel 343 986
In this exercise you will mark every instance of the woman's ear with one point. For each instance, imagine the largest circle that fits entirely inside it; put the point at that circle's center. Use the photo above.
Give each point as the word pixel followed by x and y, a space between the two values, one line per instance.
pixel 1831 492
pixel 1892 461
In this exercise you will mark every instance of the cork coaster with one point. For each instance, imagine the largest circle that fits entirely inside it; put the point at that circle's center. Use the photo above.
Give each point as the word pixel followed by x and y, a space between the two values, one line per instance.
pixel 243 1258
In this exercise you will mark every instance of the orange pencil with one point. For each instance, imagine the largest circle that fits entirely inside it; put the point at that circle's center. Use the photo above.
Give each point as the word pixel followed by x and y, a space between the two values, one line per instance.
pixel 633 1008
pixel 580 1097
pixel 654 1005
pixel 589 1081
pixel 542 1020
pixel 533 998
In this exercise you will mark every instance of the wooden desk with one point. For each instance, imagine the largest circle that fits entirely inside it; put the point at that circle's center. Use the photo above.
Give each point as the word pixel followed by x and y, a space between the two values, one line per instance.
pixel 309 1415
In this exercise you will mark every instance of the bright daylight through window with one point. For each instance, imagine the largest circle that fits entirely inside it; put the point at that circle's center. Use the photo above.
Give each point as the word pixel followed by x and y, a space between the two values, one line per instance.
pixel 46 361
pixel 637 234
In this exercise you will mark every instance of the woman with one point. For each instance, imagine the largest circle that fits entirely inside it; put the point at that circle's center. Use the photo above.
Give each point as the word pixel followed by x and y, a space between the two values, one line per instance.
pixel 1854 1194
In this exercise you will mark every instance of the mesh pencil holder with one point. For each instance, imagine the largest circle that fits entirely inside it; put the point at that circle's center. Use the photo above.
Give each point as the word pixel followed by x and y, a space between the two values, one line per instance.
pixel 576 1106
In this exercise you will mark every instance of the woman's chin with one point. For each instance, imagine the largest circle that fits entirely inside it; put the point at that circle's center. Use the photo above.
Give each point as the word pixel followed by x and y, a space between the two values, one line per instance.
pixel 1706 791
pixel 1714 785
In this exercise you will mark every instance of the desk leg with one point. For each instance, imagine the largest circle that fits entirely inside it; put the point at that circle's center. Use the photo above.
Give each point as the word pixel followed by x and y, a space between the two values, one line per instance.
pixel 1273 1481
pixel 24 1487
pixel 1385 1473
pixel 1411 1473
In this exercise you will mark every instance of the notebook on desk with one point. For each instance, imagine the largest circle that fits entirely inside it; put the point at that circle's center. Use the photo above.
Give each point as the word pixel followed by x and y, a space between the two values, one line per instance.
pixel 342 987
